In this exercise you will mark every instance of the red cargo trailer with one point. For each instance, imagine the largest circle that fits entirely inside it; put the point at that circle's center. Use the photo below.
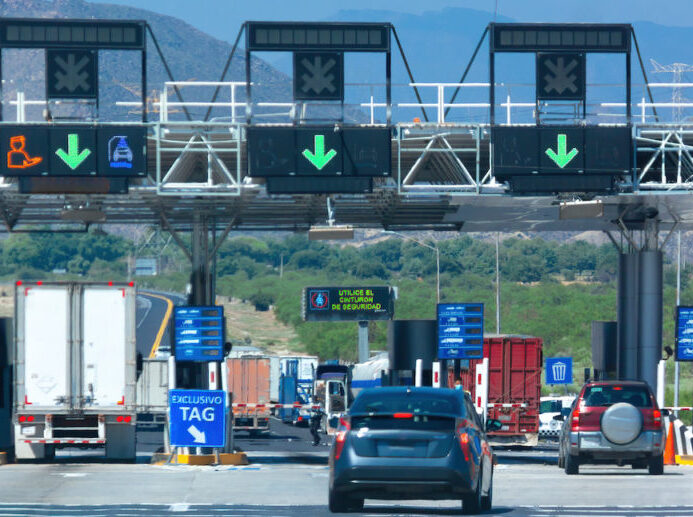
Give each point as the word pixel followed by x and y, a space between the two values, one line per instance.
pixel 249 383
pixel 514 387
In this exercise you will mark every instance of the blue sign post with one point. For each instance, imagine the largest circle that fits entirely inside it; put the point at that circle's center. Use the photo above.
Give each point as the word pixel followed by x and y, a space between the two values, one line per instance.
pixel 199 333
pixel 460 330
pixel 559 370
pixel 684 333
pixel 197 418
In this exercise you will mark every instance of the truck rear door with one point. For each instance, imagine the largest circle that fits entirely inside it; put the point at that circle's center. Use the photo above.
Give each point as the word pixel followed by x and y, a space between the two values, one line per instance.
pixel 43 341
pixel 108 351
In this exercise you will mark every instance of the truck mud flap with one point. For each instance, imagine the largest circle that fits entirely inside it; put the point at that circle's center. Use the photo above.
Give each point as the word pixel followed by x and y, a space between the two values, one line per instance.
pixel 515 440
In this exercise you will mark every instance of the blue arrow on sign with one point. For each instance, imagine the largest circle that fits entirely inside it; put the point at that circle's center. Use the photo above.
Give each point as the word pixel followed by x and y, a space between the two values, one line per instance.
pixel 197 418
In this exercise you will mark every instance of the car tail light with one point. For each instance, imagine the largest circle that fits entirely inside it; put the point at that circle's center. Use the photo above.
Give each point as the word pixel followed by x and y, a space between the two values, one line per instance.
pixel 340 439
pixel 463 437
pixel 119 418
pixel 464 444
pixel 30 418
pixel 652 420
pixel 575 420
pixel 403 415
pixel 22 418
pixel 300 418
pixel 127 419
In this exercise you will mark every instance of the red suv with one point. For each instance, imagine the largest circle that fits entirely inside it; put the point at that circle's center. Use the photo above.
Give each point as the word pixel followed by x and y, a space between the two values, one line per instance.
pixel 613 422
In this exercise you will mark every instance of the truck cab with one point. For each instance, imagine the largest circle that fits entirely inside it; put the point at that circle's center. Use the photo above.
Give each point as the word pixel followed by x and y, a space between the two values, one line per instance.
pixel 331 391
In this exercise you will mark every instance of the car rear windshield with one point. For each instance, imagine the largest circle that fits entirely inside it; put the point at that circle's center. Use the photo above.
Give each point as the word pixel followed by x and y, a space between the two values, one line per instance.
pixel 602 396
pixel 402 422
pixel 550 406
pixel 407 402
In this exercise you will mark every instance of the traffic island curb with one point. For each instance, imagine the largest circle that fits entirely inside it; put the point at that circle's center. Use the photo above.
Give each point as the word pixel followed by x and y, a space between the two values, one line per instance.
pixel 684 460
pixel 239 458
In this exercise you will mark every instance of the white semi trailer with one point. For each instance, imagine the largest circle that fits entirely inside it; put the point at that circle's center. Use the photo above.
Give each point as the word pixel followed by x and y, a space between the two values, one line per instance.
pixel 75 368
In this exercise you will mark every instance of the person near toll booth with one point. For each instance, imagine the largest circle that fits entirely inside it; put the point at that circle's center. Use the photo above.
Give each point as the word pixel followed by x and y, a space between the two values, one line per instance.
pixel 316 414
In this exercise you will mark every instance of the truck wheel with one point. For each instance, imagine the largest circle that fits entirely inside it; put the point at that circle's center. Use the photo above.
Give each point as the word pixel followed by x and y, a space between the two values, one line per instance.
pixel 572 464
pixel 655 465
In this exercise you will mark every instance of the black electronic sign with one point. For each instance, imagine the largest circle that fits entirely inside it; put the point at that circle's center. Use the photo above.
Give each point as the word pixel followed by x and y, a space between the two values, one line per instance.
pixel 559 37
pixel 72 185
pixel 298 36
pixel 319 76
pixel 73 150
pixel 199 333
pixel 560 76
pixel 561 158
pixel 72 74
pixel 84 34
pixel 315 185
pixel 319 152
pixel 348 303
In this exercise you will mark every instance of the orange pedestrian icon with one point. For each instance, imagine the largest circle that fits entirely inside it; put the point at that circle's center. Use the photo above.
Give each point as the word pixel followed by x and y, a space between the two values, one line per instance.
pixel 17 157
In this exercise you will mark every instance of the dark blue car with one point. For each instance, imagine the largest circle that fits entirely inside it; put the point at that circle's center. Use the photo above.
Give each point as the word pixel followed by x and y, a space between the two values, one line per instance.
pixel 411 443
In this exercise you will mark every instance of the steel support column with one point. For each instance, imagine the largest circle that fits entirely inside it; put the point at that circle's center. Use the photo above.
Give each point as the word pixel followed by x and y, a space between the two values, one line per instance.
pixel 650 315
pixel 364 351
pixel 640 306
pixel 628 316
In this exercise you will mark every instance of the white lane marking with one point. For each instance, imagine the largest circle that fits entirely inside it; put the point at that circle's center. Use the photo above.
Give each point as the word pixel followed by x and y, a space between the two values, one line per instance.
pixel 148 304
pixel 179 507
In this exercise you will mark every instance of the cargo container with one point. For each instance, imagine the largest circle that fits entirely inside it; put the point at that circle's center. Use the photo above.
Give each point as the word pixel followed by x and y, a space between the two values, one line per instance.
pixel 249 384
pixel 514 387
pixel 74 383
pixel 152 394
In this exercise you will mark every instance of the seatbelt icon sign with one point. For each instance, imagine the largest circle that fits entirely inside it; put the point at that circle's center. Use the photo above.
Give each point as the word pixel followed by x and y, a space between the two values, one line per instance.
pixel 18 157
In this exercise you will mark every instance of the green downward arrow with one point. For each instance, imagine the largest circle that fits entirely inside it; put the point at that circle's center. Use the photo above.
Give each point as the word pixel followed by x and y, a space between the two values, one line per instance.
pixel 319 159
pixel 73 158
pixel 562 158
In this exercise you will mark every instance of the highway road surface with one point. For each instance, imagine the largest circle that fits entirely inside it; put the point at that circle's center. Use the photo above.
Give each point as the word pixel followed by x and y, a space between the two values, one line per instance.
pixel 154 309
pixel 267 489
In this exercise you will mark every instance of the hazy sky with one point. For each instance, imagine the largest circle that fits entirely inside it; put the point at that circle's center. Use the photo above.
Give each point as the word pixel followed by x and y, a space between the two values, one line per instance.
pixel 222 18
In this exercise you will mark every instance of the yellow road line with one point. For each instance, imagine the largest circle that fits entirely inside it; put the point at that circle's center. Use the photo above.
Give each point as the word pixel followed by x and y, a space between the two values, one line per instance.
pixel 164 322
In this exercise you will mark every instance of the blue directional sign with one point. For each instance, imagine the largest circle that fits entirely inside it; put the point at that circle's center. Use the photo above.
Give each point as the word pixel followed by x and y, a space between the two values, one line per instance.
pixel 684 333
pixel 460 330
pixel 199 333
pixel 559 370
pixel 197 418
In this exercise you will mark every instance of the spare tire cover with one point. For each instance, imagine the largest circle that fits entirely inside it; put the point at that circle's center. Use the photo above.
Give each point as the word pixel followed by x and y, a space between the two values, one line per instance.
pixel 621 423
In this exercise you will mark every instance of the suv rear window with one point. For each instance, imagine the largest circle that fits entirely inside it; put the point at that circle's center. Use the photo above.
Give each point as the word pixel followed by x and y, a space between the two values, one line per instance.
pixel 402 402
pixel 602 396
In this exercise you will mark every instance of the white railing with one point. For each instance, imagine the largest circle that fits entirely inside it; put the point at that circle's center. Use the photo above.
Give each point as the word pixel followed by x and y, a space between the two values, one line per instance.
pixel 434 93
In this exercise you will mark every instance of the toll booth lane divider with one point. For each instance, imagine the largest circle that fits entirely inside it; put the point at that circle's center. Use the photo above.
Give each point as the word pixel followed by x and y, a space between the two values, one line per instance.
pixel 683 437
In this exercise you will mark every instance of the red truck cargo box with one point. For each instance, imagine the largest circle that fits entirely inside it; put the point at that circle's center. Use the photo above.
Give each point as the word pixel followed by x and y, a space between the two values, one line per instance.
pixel 249 383
pixel 249 379
pixel 515 365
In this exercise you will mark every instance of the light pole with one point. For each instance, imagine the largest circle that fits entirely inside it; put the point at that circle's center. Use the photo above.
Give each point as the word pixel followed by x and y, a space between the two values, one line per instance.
pixel 434 248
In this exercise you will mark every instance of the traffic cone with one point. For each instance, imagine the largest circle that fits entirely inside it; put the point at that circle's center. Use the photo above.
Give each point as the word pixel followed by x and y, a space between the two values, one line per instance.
pixel 670 447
